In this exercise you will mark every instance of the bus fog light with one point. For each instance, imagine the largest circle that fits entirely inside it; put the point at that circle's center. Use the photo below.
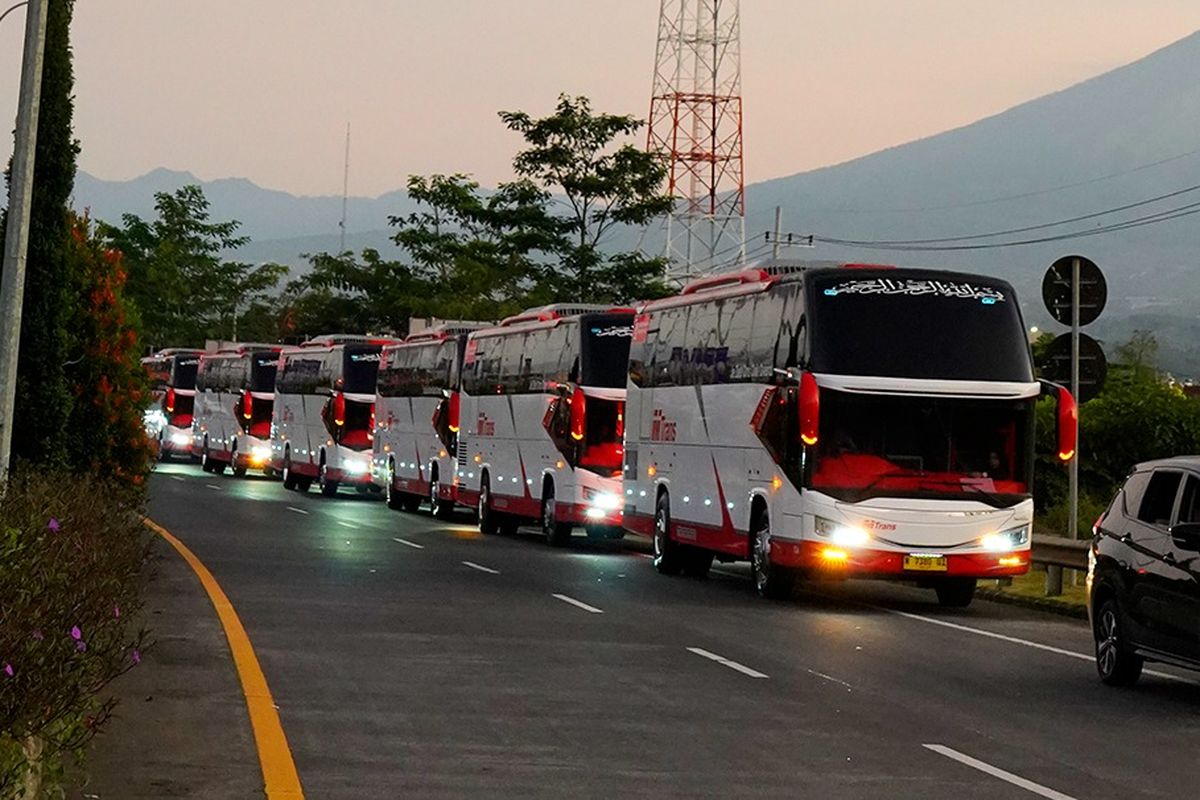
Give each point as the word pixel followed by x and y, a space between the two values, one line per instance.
pixel 260 453
pixel 181 439
pixel 834 555
pixel 594 513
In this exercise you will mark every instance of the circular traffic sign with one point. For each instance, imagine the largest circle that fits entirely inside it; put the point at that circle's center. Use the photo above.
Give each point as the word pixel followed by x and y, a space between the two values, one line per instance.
pixel 1055 365
pixel 1057 290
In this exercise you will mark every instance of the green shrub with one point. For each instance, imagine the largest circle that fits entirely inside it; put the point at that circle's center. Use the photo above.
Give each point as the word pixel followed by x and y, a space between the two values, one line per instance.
pixel 72 552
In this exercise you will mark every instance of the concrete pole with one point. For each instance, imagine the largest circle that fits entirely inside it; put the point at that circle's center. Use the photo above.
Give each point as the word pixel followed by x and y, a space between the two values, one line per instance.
pixel 12 287
pixel 778 231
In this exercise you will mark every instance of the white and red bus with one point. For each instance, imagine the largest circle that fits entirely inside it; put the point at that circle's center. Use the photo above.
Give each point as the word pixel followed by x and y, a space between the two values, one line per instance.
pixel 836 421
pixel 416 417
pixel 168 419
pixel 235 396
pixel 323 426
pixel 542 412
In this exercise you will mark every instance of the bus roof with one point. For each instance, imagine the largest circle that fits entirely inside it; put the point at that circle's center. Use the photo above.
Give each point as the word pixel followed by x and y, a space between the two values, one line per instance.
pixel 334 339
pixel 174 351
pixel 242 348
pixel 560 311
pixel 445 330
pixel 751 279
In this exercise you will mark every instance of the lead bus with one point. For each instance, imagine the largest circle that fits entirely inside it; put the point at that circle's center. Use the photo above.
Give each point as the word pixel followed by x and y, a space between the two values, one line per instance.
pixel 853 421
pixel 323 422
pixel 416 417
pixel 235 397
pixel 168 419
pixel 542 411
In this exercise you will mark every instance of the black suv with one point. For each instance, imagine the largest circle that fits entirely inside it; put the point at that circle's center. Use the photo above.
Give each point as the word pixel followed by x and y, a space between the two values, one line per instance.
pixel 1144 574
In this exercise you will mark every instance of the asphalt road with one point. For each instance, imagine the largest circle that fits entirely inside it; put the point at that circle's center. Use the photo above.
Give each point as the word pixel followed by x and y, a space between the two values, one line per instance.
pixel 411 657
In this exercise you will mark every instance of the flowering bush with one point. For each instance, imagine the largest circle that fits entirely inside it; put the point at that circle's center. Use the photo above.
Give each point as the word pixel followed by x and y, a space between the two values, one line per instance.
pixel 72 551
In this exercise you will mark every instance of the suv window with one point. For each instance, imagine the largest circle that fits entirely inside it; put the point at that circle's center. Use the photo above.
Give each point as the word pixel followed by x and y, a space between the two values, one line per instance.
pixel 1159 501
pixel 1133 491
pixel 1189 508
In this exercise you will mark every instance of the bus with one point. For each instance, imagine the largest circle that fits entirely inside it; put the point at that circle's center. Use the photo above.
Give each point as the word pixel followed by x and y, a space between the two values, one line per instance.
pixel 235 395
pixel 542 411
pixel 322 426
pixel 416 417
pixel 168 419
pixel 836 421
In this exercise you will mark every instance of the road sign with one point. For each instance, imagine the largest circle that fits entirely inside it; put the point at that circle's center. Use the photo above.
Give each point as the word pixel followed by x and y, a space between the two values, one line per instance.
pixel 1056 290
pixel 1055 365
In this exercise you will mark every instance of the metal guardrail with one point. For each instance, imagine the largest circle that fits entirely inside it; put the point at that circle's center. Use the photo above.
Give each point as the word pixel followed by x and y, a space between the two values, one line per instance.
pixel 1059 551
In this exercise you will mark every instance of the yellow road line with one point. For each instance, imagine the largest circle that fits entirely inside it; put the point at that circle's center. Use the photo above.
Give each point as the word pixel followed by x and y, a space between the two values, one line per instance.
pixel 274 755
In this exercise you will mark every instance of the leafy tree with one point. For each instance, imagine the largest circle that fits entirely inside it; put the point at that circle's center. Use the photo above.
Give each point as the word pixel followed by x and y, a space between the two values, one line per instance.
pixel 573 153
pixel 105 375
pixel 183 289
pixel 347 294
pixel 43 400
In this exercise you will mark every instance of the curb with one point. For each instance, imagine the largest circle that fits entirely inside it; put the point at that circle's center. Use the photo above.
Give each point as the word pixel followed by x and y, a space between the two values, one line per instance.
pixel 1049 604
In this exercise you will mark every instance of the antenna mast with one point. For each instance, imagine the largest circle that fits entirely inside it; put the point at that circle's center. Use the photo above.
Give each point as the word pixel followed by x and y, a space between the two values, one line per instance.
pixel 345 192
pixel 696 125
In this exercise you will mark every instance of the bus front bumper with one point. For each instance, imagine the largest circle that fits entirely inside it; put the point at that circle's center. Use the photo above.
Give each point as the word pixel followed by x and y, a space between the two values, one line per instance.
pixel 824 558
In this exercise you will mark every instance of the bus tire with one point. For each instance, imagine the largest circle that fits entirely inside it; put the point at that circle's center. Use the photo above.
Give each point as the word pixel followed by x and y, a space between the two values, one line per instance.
pixel 439 507
pixel 328 488
pixel 770 580
pixel 239 471
pixel 955 592
pixel 556 533
pixel 289 477
pixel 489 524
pixel 668 554
pixel 394 499
pixel 206 464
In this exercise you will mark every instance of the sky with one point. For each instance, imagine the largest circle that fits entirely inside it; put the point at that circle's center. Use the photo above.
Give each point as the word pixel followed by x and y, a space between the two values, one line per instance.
pixel 263 89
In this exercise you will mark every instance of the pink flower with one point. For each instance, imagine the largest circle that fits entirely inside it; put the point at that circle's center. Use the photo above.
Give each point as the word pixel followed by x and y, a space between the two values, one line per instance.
pixel 76 634
pixel 116 611
pixel 81 646
pixel 37 634
pixel 8 670
pixel 53 525
pixel 135 656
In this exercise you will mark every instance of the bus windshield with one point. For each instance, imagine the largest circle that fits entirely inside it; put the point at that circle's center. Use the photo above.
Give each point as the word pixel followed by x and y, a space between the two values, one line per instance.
pixel 262 371
pixel 877 445
pixel 360 370
pixel 918 324
pixel 604 357
pixel 185 372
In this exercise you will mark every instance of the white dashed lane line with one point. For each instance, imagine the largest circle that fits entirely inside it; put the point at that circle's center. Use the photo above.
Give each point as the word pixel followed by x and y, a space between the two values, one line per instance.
pixel 214 487
pixel 297 510
pixel 407 543
pixel 996 772
pixel 481 568
pixel 179 478
pixel 578 603
pixel 725 662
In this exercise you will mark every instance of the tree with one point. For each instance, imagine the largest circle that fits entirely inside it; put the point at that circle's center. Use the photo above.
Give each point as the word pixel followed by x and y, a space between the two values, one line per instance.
pixel 347 294
pixel 573 153
pixel 43 401
pixel 184 291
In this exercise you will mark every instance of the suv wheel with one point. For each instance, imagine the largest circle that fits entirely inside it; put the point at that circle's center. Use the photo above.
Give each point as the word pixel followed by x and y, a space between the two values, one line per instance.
pixel 1116 663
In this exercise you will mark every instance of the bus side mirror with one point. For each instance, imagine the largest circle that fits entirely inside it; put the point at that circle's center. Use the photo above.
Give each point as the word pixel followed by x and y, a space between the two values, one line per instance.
pixel 1066 420
pixel 808 408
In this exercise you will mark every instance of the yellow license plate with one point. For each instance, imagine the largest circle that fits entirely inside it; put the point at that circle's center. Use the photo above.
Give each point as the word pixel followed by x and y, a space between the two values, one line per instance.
pixel 920 563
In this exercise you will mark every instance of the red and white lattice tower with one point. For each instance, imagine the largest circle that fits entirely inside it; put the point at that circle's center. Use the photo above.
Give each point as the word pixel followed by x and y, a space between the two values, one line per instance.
pixel 696 124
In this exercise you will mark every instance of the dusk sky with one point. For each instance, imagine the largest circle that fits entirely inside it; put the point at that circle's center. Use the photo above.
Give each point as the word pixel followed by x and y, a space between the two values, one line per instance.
pixel 263 89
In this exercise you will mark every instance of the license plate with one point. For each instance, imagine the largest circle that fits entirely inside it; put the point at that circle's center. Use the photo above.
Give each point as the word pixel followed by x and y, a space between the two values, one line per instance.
pixel 923 563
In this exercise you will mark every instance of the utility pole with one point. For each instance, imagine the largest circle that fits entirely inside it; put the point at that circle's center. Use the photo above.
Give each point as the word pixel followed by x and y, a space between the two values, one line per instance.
pixel 12 287
pixel 775 239
pixel 345 192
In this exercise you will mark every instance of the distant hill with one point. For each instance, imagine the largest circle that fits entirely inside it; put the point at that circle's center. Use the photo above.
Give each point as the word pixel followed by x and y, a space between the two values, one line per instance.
pixel 1124 136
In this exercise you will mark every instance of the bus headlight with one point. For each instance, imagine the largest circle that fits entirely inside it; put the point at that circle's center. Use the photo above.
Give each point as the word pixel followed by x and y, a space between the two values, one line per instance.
pixel 181 439
pixel 260 452
pixel 1005 541
pixel 841 534
pixel 355 467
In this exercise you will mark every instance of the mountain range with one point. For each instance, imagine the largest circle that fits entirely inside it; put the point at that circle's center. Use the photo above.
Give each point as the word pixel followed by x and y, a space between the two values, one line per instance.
pixel 1116 140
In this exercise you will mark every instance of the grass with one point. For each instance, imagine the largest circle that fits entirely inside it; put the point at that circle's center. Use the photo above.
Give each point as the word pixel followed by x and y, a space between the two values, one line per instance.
pixel 1033 585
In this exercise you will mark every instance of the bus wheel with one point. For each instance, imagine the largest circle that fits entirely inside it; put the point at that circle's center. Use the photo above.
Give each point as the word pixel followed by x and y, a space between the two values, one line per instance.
pixel 394 498
pixel 668 554
pixel 955 592
pixel 289 477
pixel 488 522
pixel 438 506
pixel 206 463
pixel 556 533
pixel 162 450
pixel 239 471
pixel 328 487
pixel 771 581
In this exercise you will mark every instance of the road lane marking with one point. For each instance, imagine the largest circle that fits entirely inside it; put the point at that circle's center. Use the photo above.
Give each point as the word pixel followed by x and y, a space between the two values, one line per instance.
pixel 996 772
pixel 179 478
pixel 481 568
pixel 345 524
pixel 829 678
pixel 725 662
pixel 408 543
pixel 280 778
pixel 213 486
pixel 297 510
pixel 1027 643
pixel 578 603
